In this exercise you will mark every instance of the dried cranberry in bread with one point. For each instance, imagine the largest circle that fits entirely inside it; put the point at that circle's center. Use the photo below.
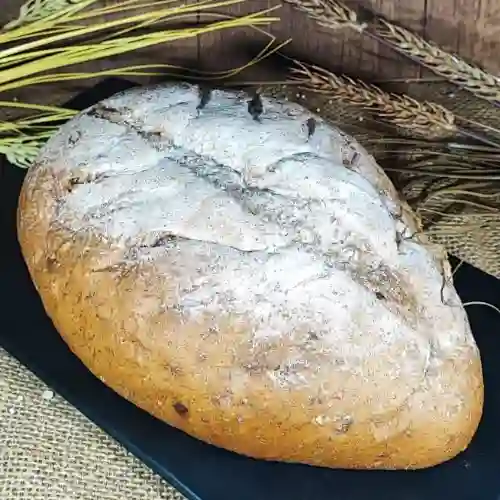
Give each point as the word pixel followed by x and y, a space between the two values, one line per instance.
pixel 247 273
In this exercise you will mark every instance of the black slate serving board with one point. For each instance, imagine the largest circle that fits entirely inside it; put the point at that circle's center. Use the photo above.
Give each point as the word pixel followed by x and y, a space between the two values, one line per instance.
pixel 203 472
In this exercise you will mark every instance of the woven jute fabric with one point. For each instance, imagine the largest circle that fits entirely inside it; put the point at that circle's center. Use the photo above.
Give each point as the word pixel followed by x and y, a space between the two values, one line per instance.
pixel 50 451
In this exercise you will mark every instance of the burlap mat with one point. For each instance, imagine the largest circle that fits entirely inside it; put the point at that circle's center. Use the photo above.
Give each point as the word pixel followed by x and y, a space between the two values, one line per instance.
pixel 50 451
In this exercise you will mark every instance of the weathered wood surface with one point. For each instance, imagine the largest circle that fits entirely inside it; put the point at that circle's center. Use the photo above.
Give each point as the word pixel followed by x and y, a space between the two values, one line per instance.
pixel 470 28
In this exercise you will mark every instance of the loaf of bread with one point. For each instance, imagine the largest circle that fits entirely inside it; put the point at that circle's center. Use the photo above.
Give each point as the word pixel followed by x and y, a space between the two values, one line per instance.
pixel 247 273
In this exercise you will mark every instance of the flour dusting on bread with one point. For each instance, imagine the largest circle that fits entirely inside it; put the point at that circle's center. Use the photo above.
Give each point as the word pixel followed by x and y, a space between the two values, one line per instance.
pixel 262 226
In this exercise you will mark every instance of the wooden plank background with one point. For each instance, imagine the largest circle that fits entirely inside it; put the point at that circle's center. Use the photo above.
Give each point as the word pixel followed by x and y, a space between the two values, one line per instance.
pixel 471 28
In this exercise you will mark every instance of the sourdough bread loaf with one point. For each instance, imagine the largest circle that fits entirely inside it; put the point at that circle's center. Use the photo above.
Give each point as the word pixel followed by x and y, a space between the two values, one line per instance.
pixel 247 273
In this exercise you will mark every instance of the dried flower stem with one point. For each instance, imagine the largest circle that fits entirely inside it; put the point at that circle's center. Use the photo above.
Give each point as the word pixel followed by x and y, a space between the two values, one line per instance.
pixel 425 119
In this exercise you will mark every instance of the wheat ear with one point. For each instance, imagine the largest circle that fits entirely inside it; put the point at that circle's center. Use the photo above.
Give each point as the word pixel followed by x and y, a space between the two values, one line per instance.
pixel 328 13
pixel 34 10
pixel 424 119
pixel 449 66
pixel 333 13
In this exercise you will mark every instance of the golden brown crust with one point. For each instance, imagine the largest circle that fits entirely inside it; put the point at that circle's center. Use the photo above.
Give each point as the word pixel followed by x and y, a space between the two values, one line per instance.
pixel 159 379
pixel 206 374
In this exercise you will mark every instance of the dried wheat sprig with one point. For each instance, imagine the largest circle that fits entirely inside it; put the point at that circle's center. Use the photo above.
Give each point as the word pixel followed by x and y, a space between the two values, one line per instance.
pixel 329 13
pixel 481 217
pixel 34 10
pixel 333 13
pixel 460 191
pixel 447 175
pixel 22 150
pixel 425 119
pixel 449 66
pixel 472 204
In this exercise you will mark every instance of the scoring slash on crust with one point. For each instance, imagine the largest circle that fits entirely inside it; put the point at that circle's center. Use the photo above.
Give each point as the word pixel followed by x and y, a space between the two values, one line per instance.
pixel 242 282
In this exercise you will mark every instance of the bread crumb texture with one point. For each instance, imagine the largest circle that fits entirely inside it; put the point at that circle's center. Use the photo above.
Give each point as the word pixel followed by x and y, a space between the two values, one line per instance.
pixel 247 273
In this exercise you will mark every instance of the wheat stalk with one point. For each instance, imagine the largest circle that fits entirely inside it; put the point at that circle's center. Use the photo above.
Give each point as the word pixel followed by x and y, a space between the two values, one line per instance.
pixel 424 119
pixel 333 13
pixel 328 13
pixel 449 66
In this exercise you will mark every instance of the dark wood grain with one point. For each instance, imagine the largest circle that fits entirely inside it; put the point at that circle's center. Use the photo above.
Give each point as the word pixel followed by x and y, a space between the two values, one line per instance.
pixel 443 24
pixel 229 49
pixel 309 42
pixel 382 61
pixel 479 32
pixel 470 28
